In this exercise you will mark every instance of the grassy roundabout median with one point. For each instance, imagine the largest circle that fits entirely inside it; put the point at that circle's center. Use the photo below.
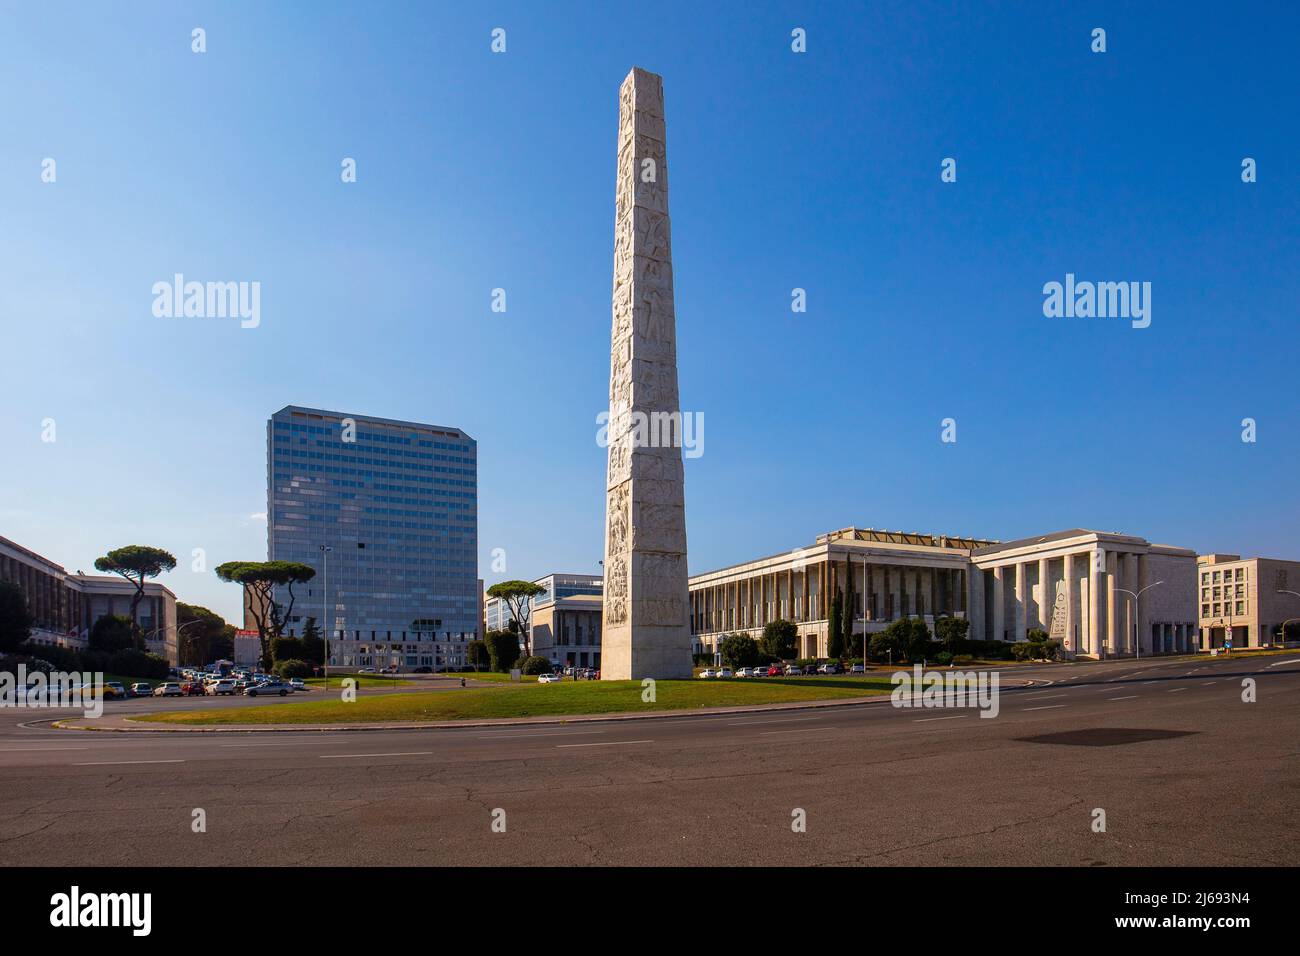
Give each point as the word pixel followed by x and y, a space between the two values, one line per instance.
pixel 537 700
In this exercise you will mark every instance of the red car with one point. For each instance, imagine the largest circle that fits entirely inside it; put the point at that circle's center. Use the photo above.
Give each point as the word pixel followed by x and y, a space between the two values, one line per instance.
pixel 775 671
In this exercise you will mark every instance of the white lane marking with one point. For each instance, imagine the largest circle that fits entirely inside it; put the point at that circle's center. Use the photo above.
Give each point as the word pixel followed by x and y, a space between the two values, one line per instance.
pixel 114 763
pixel 272 743
pixel 800 730
pixel 545 734
pixel 1047 696
pixel 1280 663
pixel 1210 683
pixel 783 720
pixel 25 750
pixel 405 753
pixel 1129 697
pixel 1047 707
pixel 604 743
pixel 1175 690
pixel 921 720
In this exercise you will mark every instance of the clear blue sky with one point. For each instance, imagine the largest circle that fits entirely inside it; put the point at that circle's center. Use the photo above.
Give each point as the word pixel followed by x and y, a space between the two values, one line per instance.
pixel 819 171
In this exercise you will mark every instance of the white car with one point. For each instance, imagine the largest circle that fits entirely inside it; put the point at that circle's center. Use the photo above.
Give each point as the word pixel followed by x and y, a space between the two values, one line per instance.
pixel 708 672
pixel 725 672
pixel 218 687
pixel 168 689
pixel 297 684
pixel 745 672
pixel 549 679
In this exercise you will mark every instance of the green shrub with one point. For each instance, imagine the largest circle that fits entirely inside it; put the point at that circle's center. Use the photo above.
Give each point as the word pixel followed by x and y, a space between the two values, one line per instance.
pixel 537 665
pixel 943 658
pixel 293 668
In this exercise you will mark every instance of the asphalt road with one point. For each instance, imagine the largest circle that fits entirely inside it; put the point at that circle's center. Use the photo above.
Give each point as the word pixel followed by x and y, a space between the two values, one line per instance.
pixel 1186 772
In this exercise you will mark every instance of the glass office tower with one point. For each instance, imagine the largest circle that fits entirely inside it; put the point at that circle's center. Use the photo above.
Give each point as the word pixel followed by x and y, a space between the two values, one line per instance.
pixel 396 504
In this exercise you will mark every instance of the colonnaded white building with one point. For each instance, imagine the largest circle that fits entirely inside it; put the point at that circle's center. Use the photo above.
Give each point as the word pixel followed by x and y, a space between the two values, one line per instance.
pixel 1100 593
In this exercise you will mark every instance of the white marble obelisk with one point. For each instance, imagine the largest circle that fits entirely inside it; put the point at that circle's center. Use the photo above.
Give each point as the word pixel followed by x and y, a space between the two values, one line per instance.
pixel 645 628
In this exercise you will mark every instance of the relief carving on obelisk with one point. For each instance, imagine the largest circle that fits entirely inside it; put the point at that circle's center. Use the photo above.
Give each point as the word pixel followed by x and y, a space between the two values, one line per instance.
pixel 645 628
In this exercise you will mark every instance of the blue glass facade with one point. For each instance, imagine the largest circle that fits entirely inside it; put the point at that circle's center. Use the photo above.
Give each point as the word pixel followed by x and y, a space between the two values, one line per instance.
pixel 397 505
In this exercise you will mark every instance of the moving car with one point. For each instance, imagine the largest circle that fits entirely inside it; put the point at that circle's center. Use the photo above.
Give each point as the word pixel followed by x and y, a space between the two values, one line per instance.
pixel 267 687
pixel 169 689
pixel 297 684
pixel 549 679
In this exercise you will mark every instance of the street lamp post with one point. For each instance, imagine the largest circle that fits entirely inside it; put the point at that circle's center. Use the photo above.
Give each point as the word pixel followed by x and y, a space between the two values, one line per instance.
pixel 325 607
pixel 1137 638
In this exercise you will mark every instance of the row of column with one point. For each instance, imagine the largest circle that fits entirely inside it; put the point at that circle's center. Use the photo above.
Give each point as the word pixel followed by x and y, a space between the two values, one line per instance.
pixel 1097 611
pixel 882 592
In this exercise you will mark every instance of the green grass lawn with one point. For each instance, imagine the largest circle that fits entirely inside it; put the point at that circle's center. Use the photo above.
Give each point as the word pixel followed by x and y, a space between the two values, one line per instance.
pixel 529 700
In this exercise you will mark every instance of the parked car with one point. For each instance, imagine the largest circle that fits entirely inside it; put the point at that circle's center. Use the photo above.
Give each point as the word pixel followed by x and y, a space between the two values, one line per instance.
pixel 744 672
pixel 725 672
pixel 142 690
pixel 830 669
pixel 297 684
pixel 775 671
pixel 423 669
pixel 793 670
pixel 217 688
pixel 192 688
pixel 857 669
pixel 549 679
pixel 366 670
pixel 268 687
pixel 169 689
pixel 113 690
pixel 708 672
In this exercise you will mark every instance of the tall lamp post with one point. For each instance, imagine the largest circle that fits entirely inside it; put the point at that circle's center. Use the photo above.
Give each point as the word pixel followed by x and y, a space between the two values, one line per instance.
pixel 1137 638
pixel 325 606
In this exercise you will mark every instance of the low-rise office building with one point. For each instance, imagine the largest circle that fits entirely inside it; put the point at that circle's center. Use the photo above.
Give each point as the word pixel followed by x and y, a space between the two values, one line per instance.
pixel 564 619
pixel 1099 593
pixel 66 605
pixel 1246 602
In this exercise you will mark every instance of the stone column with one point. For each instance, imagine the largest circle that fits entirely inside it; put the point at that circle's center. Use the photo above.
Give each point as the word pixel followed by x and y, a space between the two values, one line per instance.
pixel 999 603
pixel 1144 603
pixel 1070 616
pixel 1045 595
pixel 1112 617
pixel 1095 559
pixel 1022 598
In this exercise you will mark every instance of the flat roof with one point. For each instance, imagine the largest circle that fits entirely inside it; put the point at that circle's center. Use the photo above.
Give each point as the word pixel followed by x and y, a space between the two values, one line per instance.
pixel 394 422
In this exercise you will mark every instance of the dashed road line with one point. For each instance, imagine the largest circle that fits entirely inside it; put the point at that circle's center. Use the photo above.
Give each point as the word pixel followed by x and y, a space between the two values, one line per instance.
pixel 406 753
pixel 604 743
